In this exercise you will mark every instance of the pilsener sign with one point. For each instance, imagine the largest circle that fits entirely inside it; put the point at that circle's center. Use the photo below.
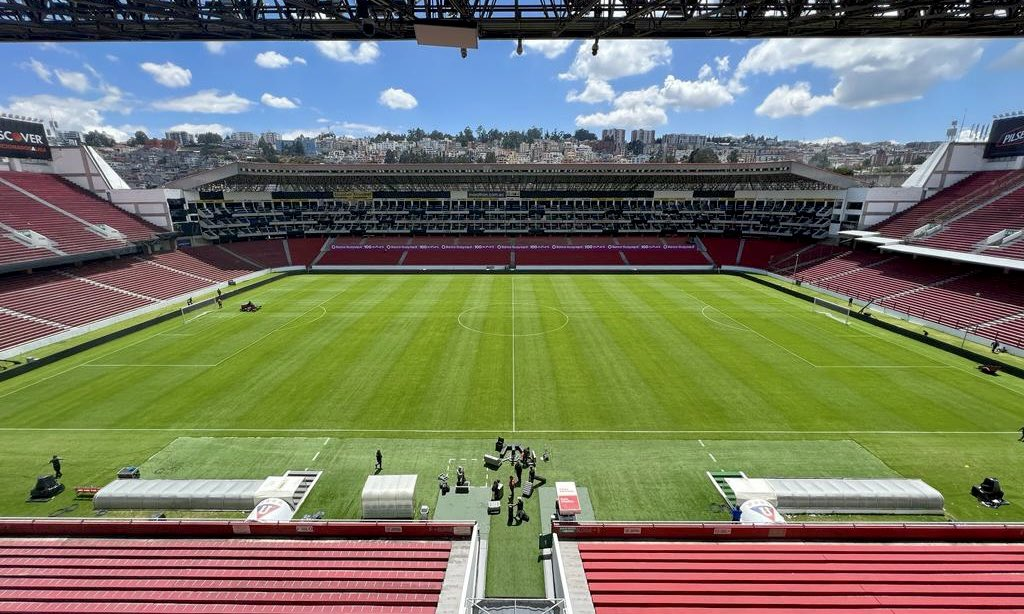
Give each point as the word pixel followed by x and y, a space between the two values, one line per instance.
pixel 20 139
pixel 1006 138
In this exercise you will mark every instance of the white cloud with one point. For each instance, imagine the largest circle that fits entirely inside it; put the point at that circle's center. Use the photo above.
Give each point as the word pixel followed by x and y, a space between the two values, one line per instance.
pixel 216 47
pixel 394 98
pixel 220 129
pixel 168 74
pixel 640 116
pixel 40 69
pixel 722 64
pixel 299 60
pixel 205 101
pixel 272 59
pixel 828 140
pixel 705 72
pixel 73 113
pixel 76 81
pixel 796 99
pixel 344 51
pixel 112 58
pixel 596 91
pixel 869 72
pixel 646 108
pixel 348 129
pixel 618 58
pixel 278 102
pixel 1014 58
pixel 550 49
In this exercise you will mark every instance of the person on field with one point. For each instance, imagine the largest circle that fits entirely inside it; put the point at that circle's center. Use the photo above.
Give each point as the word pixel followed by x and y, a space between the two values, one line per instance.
pixel 55 462
pixel 519 510
pixel 380 462
pixel 1021 434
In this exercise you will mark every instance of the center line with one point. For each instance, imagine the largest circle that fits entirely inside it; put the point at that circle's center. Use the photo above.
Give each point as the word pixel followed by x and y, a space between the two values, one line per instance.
pixel 513 353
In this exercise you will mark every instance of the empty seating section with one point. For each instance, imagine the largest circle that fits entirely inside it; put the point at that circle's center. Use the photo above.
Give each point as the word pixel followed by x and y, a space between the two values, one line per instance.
pixel 11 251
pixel 221 575
pixel 57 298
pixel 724 252
pixel 304 251
pixel 15 331
pixel 964 234
pixel 966 302
pixel 141 277
pixel 970 192
pixel 71 236
pixel 189 265
pixel 763 253
pixel 724 578
pixel 988 302
pixel 76 201
pixel 841 264
pixel 267 254
pixel 220 258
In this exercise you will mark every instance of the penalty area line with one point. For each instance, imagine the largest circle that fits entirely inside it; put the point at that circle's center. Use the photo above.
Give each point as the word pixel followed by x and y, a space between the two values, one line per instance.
pixel 483 431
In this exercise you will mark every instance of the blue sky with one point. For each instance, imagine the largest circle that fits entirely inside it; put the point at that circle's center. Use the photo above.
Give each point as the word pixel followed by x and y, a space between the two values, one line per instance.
pixel 856 89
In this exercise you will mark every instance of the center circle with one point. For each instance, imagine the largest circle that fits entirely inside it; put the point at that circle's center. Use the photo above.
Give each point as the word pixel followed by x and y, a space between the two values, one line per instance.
pixel 513 319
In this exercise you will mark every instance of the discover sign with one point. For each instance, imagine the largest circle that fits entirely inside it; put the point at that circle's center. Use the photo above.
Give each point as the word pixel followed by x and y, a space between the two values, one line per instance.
pixel 20 139
pixel 1006 138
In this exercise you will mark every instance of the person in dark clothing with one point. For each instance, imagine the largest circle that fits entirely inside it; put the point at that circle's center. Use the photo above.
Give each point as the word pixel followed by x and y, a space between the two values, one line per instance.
pixel 1021 434
pixel 380 462
pixel 218 292
pixel 55 461
pixel 519 471
pixel 519 510
pixel 511 512
pixel 995 346
pixel 536 480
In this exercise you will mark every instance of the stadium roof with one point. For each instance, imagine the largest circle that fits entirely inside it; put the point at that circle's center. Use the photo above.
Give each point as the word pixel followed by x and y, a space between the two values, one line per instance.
pixel 32 20
pixel 260 176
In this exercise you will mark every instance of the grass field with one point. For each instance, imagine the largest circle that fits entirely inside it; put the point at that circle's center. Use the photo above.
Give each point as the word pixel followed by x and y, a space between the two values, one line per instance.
pixel 637 383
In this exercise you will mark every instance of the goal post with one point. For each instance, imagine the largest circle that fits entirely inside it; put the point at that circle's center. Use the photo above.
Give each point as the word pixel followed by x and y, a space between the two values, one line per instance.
pixel 837 311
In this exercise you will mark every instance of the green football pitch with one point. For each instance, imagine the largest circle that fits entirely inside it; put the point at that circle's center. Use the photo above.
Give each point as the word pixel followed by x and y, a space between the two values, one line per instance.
pixel 637 384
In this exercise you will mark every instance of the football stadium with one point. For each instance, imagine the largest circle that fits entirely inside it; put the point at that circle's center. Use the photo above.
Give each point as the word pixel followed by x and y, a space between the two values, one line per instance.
pixel 510 388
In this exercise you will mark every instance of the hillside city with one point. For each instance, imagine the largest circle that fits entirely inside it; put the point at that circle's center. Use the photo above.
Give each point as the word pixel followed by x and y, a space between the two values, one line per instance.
pixel 145 161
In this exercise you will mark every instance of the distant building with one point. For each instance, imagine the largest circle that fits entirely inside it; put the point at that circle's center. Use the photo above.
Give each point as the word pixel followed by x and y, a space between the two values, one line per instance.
pixel 243 138
pixel 643 136
pixel 615 135
pixel 180 137
pixel 684 141
pixel 270 138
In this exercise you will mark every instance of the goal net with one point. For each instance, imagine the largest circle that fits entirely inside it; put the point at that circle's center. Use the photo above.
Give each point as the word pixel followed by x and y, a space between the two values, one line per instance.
pixel 836 311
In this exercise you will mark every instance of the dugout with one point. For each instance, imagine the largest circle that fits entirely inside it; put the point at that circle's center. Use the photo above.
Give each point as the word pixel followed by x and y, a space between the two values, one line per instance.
pixel 389 497
pixel 840 495
pixel 212 495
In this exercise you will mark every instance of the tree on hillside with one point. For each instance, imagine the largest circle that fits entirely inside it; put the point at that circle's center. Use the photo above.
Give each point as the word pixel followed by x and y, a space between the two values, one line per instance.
pixel 209 138
pixel 734 156
pixel 140 138
pixel 703 156
pixel 820 159
pixel 95 138
pixel 584 135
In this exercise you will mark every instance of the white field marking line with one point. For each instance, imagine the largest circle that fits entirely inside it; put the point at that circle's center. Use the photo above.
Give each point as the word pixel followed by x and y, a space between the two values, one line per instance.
pixel 513 353
pixel 177 334
pixel 325 442
pixel 15 429
pixel 315 456
pixel 703 312
pixel 69 369
pixel 246 347
pixel 771 341
pixel 911 347
pixel 713 459
pixel 701 442
pixel 190 320
pixel 885 367
pixel 483 332
pixel 103 364
pixel 322 314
